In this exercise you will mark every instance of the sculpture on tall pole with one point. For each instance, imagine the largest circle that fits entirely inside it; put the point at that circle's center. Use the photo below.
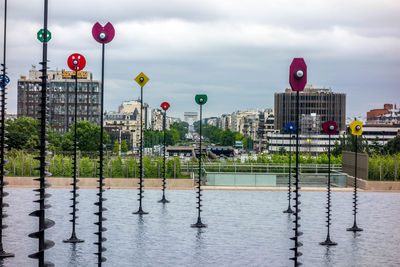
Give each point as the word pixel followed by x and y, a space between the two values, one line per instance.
pixel 141 79
pixel 44 36
pixel 290 129
pixel 4 80
pixel 200 100
pixel 76 62
pixel 356 130
pixel 165 106
pixel 297 80
pixel 329 127
pixel 102 35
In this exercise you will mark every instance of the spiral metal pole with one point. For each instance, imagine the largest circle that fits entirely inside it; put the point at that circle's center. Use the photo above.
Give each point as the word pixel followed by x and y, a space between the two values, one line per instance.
pixel 289 209
pixel 43 184
pixel 73 238
pixel 3 162
pixel 163 199
pixel 355 228
pixel 328 241
pixel 199 223
pixel 297 233
pixel 140 194
pixel 99 203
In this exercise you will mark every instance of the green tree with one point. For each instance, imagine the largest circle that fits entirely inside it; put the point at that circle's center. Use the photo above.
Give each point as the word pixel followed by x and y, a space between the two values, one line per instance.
pixel 124 146
pixel 23 133
pixel 181 127
pixel 152 138
pixel 55 140
pixel 172 137
pixel 376 146
pixel 227 138
pixel 116 147
pixel 393 146
pixel 248 143
pixel 88 137
pixel 347 143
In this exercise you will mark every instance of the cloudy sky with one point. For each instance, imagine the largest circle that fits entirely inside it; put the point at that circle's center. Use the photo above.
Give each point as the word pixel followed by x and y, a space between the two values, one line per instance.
pixel 237 52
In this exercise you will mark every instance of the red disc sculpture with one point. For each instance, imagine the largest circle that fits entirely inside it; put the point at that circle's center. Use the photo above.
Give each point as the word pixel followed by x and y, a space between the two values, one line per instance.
pixel 76 62
pixel 329 127
pixel 165 106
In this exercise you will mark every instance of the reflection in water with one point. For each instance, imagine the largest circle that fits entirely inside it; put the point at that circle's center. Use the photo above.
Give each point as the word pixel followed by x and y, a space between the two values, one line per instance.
pixel 243 230
pixel 199 238
pixel 354 242
pixel 328 256
pixel 73 255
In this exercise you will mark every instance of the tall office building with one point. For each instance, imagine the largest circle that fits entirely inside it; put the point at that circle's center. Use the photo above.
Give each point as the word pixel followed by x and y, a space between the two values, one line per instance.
pixel 323 102
pixel 61 97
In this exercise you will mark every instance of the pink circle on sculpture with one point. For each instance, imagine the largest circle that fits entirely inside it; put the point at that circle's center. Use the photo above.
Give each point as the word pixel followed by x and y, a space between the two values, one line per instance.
pixel 104 34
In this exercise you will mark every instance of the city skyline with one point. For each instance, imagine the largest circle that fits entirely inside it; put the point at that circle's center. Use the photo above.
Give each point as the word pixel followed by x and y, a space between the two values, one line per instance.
pixel 238 55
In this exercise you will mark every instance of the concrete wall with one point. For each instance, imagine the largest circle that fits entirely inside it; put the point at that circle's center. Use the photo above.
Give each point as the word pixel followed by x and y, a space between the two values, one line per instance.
pixel 374 185
pixel 241 179
pixel 63 182
pixel 348 164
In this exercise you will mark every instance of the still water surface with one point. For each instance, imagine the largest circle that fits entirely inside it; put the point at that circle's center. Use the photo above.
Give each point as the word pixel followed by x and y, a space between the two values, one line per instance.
pixel 245 228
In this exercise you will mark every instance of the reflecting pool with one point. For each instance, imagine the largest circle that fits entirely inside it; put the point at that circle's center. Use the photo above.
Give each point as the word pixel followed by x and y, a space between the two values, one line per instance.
pixel 245 228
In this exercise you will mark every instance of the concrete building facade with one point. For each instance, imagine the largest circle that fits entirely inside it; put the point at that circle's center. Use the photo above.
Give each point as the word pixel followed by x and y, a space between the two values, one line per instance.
pixel 61 94
pixel 323 102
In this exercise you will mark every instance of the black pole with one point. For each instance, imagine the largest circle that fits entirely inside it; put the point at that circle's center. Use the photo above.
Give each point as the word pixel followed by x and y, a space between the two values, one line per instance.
pixel 140 210
pixel 355 228
pixel 199 223
pixel 297 233
pixel 73 238
pixel 289 209
pixel 43 184
pixel 3 162
pixel 99 213
pixel 163 199
pixel 328 241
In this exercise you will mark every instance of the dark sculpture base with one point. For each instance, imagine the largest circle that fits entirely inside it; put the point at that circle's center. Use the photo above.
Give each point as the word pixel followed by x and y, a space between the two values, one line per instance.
pixel 355 228
pixel 4 254
pixel 328 242
pixel 163 200
pixel 289 210
pixel 73 239
pixel 199 224
pixel 140 212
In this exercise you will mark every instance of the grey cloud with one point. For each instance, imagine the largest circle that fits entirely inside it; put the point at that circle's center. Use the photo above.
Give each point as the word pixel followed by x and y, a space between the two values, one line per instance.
pixel 236 52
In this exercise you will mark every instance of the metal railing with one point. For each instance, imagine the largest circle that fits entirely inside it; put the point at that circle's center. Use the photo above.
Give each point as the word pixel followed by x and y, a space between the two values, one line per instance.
pixel 259 167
